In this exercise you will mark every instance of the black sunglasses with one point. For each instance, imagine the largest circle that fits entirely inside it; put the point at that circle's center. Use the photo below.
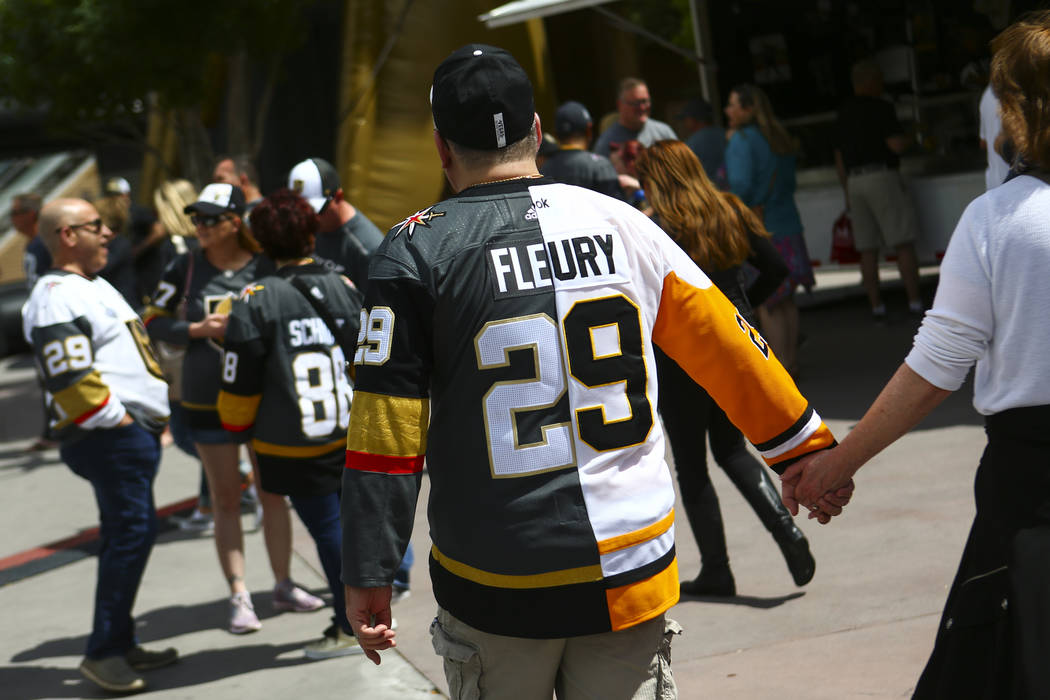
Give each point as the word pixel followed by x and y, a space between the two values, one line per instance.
pixel 90 226
pixel 207 220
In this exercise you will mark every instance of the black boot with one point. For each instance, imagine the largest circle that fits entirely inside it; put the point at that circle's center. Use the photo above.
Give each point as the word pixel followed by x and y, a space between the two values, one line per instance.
pixel 712 581
pixel 795 548
pixel 752 480
pixel 715 577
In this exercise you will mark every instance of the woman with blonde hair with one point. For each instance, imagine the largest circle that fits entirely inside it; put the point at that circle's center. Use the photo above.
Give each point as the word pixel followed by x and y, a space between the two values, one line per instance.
pixel 206 282
pixel 760 166
pixel 174 234
pixel 719 233
pixel 169 200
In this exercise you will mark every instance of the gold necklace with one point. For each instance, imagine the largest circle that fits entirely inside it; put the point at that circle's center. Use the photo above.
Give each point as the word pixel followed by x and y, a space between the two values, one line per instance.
pixel 509 179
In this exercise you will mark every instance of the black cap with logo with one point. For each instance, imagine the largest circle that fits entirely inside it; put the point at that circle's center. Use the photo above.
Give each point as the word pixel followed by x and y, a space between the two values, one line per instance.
pixel 481 98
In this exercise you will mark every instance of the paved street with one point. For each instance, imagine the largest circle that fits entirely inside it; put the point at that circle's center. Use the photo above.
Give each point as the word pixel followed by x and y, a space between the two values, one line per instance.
pixel 862 629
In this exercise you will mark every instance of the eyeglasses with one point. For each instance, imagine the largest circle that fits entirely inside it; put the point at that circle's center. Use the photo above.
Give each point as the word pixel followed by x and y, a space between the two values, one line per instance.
pixel 638 103
pixel 207 220
pixel 94 227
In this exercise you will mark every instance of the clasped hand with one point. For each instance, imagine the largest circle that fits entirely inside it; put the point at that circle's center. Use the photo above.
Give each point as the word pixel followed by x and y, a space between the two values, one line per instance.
pixel 821 481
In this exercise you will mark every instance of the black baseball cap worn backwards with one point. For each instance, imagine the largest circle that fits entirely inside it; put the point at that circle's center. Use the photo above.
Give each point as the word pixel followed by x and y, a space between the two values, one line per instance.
pixel 481 98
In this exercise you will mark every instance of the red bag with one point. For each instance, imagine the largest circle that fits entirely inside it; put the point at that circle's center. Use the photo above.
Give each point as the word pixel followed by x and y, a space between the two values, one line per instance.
pixel 842 248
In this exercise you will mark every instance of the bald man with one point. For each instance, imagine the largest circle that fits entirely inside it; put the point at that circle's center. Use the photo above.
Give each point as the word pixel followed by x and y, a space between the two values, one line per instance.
pixel 108 404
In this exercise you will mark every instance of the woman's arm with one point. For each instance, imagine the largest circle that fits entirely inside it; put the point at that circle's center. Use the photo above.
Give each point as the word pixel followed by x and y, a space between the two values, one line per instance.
pixel 905 400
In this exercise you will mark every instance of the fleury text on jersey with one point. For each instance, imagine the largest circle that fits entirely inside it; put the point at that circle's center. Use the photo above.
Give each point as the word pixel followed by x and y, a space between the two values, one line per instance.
pixel 516 356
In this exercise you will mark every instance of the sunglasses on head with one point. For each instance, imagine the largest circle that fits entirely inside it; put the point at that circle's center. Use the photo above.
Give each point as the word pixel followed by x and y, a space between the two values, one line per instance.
pixel 207 220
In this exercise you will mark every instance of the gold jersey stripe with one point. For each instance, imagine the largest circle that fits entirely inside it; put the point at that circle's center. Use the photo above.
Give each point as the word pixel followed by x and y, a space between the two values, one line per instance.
pixel 394 426
pixel 565 577
pixel 238 411
pixel 269 448
pixel 198 406
pixel 85 395
pixel 643 600
pixel 151 312
pixel 614 544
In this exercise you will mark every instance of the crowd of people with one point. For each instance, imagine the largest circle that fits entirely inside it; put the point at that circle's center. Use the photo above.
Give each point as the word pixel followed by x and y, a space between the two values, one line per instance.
pixel 517 340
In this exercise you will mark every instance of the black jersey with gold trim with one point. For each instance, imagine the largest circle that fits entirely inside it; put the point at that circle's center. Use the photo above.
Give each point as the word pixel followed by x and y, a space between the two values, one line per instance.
pixel 284 377
pixel 507 338
pixel 211 290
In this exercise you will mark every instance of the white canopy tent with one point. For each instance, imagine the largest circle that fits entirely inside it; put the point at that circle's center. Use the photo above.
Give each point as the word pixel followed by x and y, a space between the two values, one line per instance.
pixel 522 10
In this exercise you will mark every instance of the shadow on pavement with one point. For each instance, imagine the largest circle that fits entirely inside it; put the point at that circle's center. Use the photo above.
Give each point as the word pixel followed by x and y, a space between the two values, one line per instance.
pixel 23 410
pixel 38 682
pixel 153 627
pixel 25 461
pixel 745 600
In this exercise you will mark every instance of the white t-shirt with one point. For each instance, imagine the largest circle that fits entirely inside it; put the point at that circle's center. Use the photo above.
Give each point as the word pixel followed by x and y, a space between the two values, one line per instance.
pixel 992 300
pixel 997 168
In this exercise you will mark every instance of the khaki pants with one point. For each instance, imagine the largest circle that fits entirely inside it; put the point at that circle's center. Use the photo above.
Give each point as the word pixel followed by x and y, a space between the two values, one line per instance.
pixel 632 664
pixel 881 211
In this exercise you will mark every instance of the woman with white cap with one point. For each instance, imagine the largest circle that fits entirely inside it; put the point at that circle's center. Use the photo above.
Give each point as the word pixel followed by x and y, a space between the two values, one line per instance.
pixel 190 307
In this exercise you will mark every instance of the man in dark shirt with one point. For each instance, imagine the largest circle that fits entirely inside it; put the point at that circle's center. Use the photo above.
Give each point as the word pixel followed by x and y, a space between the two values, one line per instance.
pixel 870 141
pixel 573 164
pixel 347 238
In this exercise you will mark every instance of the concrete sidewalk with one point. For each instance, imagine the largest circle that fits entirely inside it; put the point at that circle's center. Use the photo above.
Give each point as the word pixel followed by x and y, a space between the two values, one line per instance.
pixel 862 629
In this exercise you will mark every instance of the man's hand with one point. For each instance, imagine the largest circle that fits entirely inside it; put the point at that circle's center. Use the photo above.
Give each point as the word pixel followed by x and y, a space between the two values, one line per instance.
pixel 368 610
pixel 211 326
pixel 822 481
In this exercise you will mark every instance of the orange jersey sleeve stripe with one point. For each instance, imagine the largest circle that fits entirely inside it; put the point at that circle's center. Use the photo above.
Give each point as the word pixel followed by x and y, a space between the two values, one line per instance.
pixel 392 426
pixel 701 330
pixel 382 464
pixel 615 544
pixel 643 600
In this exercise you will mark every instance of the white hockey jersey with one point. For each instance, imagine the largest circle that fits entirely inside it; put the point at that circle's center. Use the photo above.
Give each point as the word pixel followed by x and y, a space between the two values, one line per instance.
pixel 94 353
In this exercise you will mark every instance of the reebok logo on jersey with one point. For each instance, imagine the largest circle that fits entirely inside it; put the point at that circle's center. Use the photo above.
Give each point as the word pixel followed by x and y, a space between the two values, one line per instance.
pixel 529 266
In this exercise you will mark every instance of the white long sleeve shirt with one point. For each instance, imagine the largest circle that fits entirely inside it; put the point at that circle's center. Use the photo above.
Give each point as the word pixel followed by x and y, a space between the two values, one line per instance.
pixel 992 306
pixel 991 125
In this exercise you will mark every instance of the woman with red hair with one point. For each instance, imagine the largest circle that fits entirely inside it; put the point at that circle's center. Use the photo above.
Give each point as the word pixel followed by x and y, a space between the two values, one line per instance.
pixel 284 382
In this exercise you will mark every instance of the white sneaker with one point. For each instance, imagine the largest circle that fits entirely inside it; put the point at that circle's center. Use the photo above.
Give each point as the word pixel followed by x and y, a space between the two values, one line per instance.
pixel 242 614
pixel 197 521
